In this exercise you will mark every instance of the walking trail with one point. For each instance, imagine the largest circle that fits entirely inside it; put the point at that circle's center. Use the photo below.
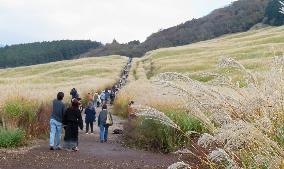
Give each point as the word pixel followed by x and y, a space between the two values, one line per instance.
pixel 92 154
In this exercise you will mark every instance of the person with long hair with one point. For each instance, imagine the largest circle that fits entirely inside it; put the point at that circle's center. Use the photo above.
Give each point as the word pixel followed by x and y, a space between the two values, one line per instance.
pixel 72 120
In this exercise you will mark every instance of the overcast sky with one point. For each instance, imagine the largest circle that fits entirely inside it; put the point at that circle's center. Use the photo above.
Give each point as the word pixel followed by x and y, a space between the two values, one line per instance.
pixel 23 21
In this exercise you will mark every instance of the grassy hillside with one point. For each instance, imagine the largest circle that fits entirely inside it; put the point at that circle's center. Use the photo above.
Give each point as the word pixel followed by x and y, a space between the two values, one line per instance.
pixel 239 16
pixel 27 92
pixel 229 90
pixel 45 80
pixel 254 49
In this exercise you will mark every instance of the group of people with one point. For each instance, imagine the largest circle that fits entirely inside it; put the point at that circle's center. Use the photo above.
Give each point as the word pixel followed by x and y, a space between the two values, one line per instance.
pixel 124 74
pixel 106 96
pixel 70 119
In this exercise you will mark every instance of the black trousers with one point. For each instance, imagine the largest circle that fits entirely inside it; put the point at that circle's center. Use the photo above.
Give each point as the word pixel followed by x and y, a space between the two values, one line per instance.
pixel 71 132
pixel 87 127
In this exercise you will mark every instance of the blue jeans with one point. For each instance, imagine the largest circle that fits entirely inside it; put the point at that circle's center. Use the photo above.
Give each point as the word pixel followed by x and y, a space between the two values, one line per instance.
pixel 55 132
pixel 103 132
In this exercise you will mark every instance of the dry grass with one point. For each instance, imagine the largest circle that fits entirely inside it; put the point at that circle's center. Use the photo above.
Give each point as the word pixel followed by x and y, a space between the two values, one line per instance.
pixel 26 92
pixel 42 82
pixel 239 98
pixel 253 49
pixel 244 122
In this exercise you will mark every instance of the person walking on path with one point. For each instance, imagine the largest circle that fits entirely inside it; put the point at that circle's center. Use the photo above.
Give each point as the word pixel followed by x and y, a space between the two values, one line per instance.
pixel 104 121
pixel 90 117
pixel 90 97
pixel 107 95
pixel 102 97
pixel 74 93
pixel 96 99
pixel 72 120
pixel 58 109
pixel 112 96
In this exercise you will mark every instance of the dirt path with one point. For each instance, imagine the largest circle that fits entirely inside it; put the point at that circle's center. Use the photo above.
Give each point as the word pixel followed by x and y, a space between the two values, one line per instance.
pixel 92 155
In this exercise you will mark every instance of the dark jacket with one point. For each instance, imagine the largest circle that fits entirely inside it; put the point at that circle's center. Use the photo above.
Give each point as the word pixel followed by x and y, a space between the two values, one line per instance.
pixel 102 117
pixel 58 109
pixel 72 119
pixel 74 93
pixel 90 115
pixel 72 116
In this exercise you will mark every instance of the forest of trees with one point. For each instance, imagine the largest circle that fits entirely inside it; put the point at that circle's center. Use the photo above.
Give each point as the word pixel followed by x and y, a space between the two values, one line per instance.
pixel 44 52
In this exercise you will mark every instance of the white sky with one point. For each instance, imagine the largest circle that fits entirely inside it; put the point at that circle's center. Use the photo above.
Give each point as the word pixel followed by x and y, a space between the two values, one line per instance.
pixel 23 21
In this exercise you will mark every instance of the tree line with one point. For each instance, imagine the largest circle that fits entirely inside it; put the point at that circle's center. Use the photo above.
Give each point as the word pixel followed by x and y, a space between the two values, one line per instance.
pixel 44 52
pixel 239 16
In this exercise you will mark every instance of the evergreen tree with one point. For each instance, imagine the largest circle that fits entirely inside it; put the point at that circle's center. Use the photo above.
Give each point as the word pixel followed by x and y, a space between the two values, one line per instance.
pixel 273 16
pixel 44 52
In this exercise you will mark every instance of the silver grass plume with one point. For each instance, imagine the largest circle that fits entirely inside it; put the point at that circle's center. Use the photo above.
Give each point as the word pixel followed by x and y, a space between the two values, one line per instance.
pixel 179 165
pixel 153 114
pixel 230 62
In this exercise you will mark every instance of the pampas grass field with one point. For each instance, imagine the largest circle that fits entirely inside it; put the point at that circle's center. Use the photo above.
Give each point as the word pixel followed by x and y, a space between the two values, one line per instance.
pixel 27 92
pixel 223 98
pixel 232 85
pixel 44 81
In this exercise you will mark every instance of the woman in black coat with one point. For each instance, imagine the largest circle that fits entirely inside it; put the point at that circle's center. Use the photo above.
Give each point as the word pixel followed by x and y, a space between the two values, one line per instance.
pixel 72 120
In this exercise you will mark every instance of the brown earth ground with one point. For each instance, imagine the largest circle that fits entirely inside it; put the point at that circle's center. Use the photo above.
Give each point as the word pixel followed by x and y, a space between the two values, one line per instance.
pixel 92 155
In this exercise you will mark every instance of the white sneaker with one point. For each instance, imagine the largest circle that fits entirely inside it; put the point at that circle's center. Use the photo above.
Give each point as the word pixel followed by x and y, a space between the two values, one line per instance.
pixel 75 149
pixel 87 133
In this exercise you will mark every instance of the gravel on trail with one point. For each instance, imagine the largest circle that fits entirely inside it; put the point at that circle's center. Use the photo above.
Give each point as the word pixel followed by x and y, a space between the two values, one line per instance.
pixel 92 155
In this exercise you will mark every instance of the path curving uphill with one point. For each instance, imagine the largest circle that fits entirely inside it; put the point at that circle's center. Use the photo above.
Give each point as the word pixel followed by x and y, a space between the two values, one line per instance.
pixel 92 154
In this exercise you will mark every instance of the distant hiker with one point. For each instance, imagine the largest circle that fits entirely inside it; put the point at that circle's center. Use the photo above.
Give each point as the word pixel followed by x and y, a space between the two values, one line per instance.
pixel 90 117
pixel 90 97
pixel 130 110
pixel 102 97
pixel 107 95
pixel 74 93
pixel 113 88
pixel 112 95
pixel 96 99
pixel 99 101
pixel 120 83
pixel 58 109
pixel 72 120
pixel 104 121
pixel 81 108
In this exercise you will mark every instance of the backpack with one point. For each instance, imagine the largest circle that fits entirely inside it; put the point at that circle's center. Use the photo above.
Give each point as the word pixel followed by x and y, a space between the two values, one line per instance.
pixel 117 131
pixel 109 120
